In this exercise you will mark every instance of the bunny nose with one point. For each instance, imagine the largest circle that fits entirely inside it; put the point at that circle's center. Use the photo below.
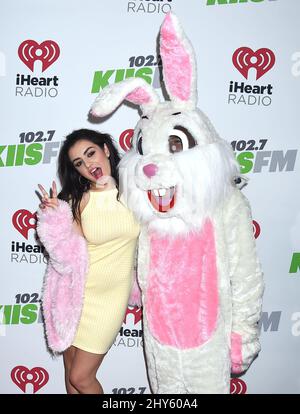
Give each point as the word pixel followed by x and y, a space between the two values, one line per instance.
pixel 150 170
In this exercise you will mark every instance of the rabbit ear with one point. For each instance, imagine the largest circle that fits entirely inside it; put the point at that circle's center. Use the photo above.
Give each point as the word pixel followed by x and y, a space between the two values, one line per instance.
pixel 179 63
pixel 134 90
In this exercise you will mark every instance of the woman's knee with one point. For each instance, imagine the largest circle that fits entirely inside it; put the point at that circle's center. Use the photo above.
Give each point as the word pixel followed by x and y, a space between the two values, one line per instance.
pixel 80 380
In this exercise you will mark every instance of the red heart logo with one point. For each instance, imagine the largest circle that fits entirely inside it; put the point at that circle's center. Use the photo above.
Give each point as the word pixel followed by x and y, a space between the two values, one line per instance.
pixel 21 221
pixel 22 376
pixel 125 139
pixel 256 229
pixel 135 311
pixel 237 386
pixel 262 60
pixel 47 52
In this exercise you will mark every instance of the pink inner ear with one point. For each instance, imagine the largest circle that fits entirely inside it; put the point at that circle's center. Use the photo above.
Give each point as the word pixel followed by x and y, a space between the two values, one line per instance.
pixel 139 96
pixel 177 66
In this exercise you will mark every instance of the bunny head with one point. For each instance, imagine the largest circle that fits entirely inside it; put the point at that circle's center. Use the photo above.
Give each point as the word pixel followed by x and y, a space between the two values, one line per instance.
pixel 178 169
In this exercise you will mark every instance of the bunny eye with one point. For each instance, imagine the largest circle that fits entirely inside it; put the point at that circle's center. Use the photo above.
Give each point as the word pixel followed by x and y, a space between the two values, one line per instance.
pixel 180 140
pixel 139 144
pixel 175 144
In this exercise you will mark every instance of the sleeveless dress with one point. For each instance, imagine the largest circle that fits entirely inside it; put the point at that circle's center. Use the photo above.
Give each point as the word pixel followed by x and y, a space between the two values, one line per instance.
pixel 111 233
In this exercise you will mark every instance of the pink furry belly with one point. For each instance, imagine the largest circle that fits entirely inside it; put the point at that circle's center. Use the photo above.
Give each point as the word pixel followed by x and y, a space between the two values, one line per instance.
pixel 182 296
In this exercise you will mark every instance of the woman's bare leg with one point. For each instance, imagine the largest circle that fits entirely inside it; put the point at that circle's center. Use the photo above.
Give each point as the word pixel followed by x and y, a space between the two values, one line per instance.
pixel 68 356
pixel 83 372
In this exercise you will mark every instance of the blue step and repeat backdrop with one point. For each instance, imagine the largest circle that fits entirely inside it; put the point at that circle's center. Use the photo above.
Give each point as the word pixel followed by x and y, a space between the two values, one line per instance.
pixel 55 57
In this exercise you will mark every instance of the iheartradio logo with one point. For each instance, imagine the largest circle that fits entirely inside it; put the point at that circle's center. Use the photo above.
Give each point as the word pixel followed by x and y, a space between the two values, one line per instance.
pixel 256 229
pixel 22 376
pixel 125 139
pixel 21 221
pixel 237 386
pixel 245 58
pixel 136 312
pixel 47 52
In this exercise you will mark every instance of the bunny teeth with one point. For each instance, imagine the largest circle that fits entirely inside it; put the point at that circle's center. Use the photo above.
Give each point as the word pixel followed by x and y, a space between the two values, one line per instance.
pixel 159 192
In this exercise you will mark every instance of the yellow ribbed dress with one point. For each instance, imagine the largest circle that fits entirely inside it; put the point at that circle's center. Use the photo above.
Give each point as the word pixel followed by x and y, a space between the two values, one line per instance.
pixel 111 233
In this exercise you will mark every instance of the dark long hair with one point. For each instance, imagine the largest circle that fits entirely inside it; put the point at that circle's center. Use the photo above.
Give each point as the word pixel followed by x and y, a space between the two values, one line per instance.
pixel 74 185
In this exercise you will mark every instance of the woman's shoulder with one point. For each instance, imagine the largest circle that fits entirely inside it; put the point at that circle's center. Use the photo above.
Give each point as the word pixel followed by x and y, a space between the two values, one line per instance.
pixel 83 202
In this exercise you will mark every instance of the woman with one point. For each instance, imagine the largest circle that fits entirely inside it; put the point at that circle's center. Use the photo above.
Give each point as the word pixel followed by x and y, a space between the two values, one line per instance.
pixel 87 168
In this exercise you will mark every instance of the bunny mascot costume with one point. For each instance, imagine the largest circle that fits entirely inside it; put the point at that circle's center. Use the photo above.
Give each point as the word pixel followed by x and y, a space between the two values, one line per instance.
pixel 198 270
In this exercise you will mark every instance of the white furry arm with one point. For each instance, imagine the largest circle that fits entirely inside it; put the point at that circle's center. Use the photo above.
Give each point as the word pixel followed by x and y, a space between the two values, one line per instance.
pixel 246 282
pixel 135 298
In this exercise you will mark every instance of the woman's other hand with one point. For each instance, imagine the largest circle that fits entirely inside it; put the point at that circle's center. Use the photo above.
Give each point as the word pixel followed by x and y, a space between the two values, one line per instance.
pixel 48 201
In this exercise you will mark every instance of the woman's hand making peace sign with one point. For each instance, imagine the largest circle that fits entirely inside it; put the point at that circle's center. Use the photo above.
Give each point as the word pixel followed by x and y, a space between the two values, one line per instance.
pixel 48 201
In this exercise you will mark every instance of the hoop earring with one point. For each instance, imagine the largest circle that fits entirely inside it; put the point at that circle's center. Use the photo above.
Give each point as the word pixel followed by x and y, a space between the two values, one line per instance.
pixel 83 183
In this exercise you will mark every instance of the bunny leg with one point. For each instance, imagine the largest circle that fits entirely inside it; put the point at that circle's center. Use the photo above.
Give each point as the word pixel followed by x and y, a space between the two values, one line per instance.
pixel 163 366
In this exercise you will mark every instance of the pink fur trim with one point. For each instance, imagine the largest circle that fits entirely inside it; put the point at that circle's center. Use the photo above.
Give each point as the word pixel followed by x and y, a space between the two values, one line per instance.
pixel 65 275
pixel 236 353
pixel 182 295
pixel 139 96
pixel 177 65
